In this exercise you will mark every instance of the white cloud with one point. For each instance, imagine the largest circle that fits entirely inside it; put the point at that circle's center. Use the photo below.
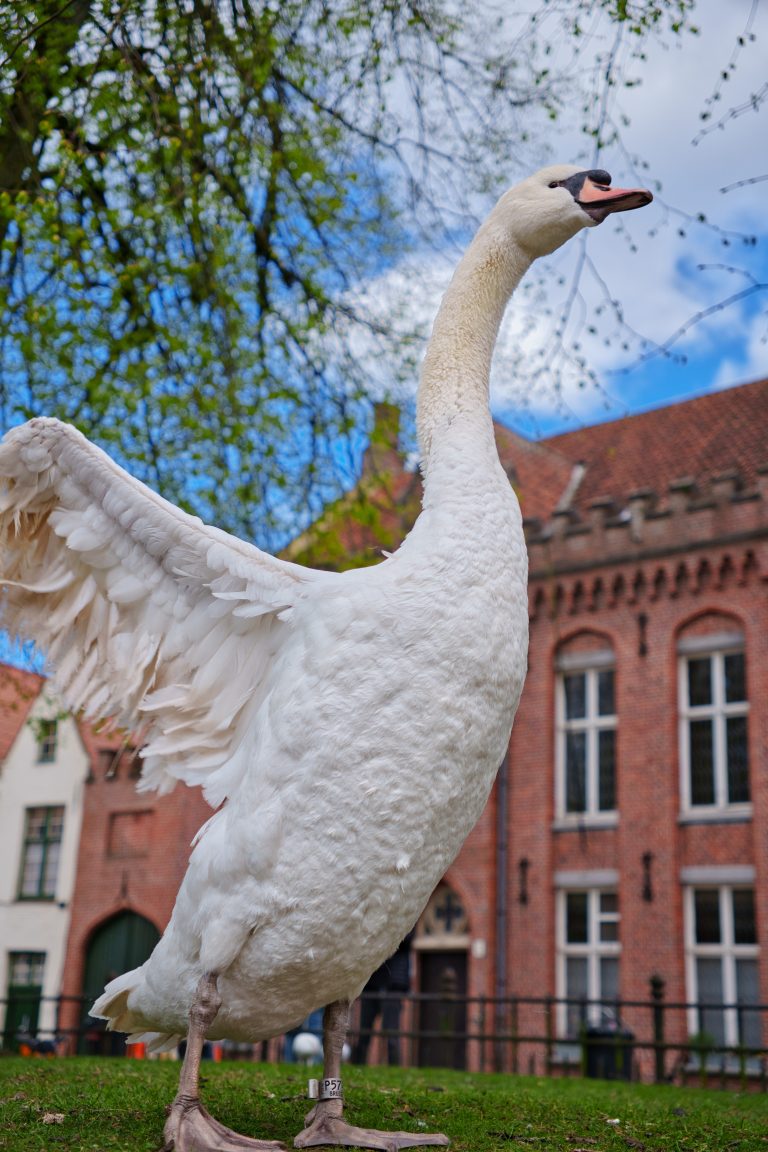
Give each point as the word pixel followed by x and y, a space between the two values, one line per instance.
pixel 752 364
pixel 640 258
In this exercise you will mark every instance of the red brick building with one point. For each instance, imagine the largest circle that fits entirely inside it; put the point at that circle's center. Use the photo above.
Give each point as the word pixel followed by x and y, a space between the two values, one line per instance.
pixel 626 837
pixel 89 867
pixel 133 853
pixel 633 827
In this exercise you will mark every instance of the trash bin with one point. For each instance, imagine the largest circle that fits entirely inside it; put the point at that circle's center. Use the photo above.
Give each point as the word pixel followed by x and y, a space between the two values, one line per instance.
pixel 608 1051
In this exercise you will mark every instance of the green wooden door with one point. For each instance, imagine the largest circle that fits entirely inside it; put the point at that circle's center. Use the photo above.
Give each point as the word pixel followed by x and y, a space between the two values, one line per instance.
pixel 25 988
pixel 122 943
pixel 21 1014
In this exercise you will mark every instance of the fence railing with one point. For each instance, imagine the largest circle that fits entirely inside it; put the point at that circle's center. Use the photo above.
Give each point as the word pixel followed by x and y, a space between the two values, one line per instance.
pixel 618 1039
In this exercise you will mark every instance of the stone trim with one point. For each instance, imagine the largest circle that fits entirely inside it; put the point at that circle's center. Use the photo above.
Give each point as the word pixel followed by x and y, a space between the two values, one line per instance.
pixel 587 878
pixel 718 874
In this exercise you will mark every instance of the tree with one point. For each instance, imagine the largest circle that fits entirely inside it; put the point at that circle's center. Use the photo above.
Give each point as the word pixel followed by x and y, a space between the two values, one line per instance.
pixel 190 194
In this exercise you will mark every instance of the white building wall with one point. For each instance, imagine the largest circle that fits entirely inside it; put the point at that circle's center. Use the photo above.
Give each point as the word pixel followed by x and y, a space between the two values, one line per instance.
pixel 39 925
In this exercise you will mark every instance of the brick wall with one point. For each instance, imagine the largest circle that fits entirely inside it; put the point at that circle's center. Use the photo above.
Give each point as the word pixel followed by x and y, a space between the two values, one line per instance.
pixel 133 854
pixel 633 571
pixel 689 563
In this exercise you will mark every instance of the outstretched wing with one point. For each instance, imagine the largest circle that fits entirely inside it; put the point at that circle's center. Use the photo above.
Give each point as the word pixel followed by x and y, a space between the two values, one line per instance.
pixel 147 615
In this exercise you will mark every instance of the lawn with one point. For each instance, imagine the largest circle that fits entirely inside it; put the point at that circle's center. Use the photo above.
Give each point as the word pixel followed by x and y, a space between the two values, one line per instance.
pixel 91 1105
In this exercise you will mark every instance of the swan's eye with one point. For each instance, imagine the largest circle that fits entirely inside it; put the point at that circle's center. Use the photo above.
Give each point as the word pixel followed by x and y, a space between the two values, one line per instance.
pixel 554 184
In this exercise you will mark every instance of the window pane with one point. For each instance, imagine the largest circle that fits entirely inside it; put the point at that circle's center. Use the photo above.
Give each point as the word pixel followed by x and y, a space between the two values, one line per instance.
pixel 609 978
pixel 46 748
pixel 575 771
pixel 707 909
pixel 576 989
pixel 738 766
pixel 702 766
pixel 735 680
pixel 700 681
pixel 709 981
pixel 18 968
pixel 607 770
pixel 609 931
pixel 576 923
pixel 744 926
pixel 55 823
pixel 605 693
pixel 31 868
pixel 748 993
pixel 609 917
pixel 51 870
pixel 26 968
pixel 36 823
pixel 575 696
pixel 576 977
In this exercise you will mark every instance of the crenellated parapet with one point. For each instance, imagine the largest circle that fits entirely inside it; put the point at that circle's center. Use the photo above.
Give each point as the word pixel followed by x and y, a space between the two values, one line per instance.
pixel 685 540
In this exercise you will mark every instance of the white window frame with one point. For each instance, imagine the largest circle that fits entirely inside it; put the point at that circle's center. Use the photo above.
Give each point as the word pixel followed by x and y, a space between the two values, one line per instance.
pixel 726 951
pixel 594 950
pixel 715 648
pixel 588 664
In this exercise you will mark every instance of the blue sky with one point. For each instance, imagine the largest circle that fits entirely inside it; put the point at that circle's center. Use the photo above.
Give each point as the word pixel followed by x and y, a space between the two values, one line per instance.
pixel 647 259
pixel 660 286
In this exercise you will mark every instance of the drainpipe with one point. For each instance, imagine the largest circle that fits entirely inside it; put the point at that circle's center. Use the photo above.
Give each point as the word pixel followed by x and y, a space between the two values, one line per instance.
pixel 500 959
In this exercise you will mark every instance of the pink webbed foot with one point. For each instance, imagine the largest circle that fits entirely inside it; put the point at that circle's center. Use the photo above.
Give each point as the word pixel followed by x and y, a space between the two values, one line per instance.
pixel 327 1127
pixel 324 1124
pixel 190 1128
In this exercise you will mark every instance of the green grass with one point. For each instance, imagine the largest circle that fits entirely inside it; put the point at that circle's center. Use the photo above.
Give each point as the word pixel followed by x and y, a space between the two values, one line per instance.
pixel 120 1104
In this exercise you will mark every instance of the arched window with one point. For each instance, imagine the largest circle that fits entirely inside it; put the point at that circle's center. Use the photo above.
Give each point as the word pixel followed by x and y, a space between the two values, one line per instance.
pixel 586 723
pixel 714 715
pixel 444 920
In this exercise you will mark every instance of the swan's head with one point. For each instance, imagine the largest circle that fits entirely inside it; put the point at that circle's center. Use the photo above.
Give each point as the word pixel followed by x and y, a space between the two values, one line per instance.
pixel 554 204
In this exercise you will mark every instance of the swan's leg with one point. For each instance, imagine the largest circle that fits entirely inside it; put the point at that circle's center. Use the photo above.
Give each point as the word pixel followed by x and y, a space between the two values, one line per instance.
pixel 325 1124
pixel 189 1128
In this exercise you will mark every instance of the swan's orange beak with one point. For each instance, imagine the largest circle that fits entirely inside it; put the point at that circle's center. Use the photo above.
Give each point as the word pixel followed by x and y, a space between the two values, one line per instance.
pixel 598 200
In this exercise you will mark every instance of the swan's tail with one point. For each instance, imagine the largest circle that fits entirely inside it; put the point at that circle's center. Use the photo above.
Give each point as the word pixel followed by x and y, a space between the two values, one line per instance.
pixel 112 1006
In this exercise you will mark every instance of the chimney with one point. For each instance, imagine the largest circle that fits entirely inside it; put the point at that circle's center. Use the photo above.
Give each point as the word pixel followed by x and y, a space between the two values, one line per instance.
pixel 383 455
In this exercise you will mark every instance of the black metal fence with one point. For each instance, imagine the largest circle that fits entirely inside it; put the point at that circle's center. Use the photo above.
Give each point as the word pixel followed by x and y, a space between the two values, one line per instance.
pixel 651 1040
pixel 654 1040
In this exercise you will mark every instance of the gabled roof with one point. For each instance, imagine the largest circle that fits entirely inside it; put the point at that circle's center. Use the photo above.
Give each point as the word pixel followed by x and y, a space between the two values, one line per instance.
pixel 695 440
pixel 701 438
pixel 539 473
pixel 18 692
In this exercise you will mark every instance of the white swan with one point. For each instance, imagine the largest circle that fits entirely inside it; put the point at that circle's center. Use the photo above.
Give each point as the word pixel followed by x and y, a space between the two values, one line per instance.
pixel 354 723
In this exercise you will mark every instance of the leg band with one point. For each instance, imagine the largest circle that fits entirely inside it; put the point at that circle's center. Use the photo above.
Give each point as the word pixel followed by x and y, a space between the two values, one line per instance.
pixel 328 1089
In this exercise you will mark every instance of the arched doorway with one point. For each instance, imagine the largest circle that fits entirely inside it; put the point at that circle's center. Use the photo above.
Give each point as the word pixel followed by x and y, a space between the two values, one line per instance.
pixel 120 944
pixel 442 944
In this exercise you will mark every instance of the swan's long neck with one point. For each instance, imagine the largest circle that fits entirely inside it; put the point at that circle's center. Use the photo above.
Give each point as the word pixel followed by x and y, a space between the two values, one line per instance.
pixel 456 371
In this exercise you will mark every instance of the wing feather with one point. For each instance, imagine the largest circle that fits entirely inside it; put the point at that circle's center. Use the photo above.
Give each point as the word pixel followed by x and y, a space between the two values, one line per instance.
pixel 145 612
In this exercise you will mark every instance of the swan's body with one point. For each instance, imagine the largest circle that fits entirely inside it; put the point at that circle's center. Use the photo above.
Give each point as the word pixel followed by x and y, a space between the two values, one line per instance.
pixel 368 762
pixel 354 722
